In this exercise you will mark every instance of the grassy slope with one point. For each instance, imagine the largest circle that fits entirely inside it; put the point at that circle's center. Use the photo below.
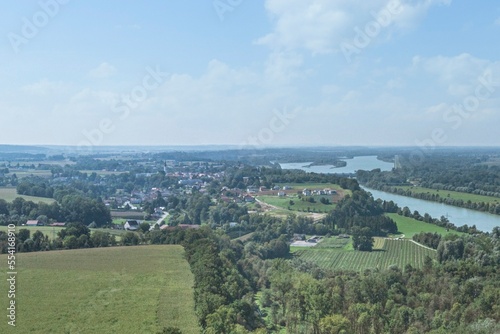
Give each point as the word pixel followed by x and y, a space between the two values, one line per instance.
pixel 105 290
pixel 9 194
pixel 454 194
pixel 409 226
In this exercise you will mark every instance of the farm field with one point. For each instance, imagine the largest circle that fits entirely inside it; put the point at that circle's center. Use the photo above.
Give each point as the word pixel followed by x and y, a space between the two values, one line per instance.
pixel 453 194
pixel 30 172
pixel 127 214
pixel 393 252
pixel 409 226
pixel 10 194
pixel 51 231
pixel 138 289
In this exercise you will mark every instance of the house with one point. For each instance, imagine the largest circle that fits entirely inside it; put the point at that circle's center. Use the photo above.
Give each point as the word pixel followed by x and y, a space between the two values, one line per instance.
pixel 287 188
pixel 276 188
pixel 252 189
pixel 131 225
pixel 249 199
pixel 306 192
pixel 263 188
pixel 34 223
pixel 281 194
pixel 233 224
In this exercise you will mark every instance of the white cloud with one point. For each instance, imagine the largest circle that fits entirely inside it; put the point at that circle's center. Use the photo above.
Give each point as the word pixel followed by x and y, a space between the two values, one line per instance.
pixel 319 26
pixel 460 75
pixel 104 70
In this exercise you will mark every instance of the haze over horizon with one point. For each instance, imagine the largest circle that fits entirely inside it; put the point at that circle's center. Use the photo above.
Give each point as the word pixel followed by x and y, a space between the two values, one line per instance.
pixel 260 73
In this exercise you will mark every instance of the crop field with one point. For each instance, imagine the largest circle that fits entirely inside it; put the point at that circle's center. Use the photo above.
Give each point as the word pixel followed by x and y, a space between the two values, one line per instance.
pixel 393 252
pixel 10 194
pixel 138 289
pixel 453 194
pixel 409 226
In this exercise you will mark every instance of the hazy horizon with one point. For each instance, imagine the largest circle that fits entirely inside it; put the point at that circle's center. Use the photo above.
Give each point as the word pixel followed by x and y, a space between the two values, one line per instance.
pixel 256 73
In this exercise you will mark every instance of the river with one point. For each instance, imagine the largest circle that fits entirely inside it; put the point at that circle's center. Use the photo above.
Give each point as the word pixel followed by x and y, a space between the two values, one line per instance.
pixel 357 163
pixel 458 216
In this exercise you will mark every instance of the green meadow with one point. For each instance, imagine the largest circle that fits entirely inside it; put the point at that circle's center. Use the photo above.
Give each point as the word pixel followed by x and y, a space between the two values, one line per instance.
pixel 9 194
pixel 139 289
pixel 409 226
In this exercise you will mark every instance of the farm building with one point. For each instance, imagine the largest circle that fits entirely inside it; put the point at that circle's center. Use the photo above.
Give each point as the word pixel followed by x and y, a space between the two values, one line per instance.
pixel 34 223
pixel 131 225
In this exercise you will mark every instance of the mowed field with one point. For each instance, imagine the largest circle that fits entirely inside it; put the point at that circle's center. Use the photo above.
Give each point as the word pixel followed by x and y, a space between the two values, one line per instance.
pixel 453 194
pixel 409 226
pixel 9 194
pixel 139 289
pixel 391 252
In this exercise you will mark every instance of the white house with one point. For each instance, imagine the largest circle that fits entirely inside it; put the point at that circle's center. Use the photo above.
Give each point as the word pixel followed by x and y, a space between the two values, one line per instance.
pixel 131 225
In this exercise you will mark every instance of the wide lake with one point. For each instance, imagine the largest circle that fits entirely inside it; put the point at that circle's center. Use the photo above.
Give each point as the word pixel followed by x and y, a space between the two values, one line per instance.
pixel 458 216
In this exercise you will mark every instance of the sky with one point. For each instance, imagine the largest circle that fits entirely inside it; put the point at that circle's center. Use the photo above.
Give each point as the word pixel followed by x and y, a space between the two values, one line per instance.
pixel 258 73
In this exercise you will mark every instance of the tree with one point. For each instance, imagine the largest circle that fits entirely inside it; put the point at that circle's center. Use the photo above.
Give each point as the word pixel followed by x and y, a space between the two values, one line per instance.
pixel 23 234
pixel 144 227
pixel 362 239
pixel 171 330
pixel 334 324
pixel 130 239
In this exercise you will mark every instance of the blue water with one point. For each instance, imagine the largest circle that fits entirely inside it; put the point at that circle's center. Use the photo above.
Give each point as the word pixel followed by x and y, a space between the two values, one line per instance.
pixel 458 216
pixel 357 163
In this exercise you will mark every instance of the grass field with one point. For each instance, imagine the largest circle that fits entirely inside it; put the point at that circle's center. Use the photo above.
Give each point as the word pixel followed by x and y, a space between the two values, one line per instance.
pixel 9 194
pixel 284 203
pixel 409 226
pixel 392 252
pixel 51 231
pixel 105 290
pixel 453 194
